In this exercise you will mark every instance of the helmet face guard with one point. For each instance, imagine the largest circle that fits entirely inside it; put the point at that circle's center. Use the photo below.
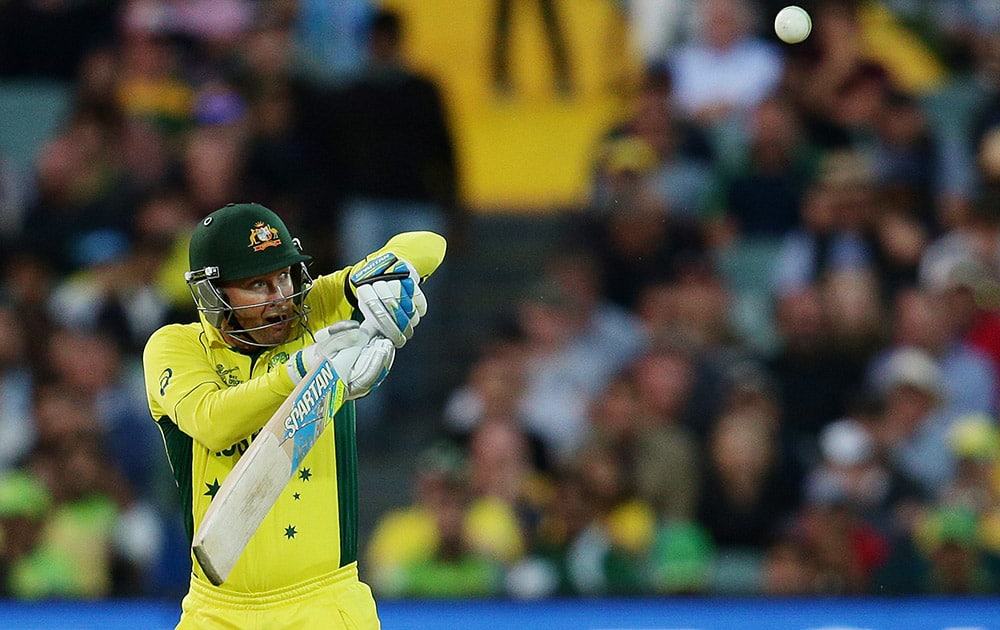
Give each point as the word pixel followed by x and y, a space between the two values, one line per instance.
pixel 244 241
pixel 210 300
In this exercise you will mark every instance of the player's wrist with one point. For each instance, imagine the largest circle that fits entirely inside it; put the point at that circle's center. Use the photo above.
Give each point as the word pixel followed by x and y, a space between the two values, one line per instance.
pixel 301 362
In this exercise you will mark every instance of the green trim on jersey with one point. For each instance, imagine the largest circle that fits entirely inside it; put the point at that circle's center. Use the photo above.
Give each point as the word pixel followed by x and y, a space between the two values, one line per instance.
pixel 344 433
pixel 178 445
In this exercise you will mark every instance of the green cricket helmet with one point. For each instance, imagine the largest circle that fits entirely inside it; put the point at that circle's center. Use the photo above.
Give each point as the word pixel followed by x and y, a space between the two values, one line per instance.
pixel 242 241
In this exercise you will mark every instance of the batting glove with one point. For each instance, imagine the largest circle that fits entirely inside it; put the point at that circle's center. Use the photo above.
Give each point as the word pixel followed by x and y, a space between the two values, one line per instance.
pixel 389 296
pixel 360 358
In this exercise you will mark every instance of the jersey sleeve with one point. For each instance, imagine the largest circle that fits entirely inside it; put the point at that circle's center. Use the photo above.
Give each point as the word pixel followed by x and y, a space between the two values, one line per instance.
pixel 182 386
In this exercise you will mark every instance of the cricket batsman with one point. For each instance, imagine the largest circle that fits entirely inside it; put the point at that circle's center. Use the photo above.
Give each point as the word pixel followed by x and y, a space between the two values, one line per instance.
pixel 213 384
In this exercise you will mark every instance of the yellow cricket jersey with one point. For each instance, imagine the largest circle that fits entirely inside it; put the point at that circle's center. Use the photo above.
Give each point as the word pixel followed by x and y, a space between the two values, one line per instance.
pixel 209 400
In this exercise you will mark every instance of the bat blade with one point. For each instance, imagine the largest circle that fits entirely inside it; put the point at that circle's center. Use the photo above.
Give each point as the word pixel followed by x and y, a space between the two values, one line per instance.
pixel 260 476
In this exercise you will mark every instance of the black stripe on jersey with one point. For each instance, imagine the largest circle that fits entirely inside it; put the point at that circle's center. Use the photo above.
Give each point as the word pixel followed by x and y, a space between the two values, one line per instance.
pixel 345 436
pixel 178 445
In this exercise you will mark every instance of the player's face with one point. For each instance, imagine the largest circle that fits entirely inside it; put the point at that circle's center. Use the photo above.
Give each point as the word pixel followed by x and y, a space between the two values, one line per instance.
pixel 262 305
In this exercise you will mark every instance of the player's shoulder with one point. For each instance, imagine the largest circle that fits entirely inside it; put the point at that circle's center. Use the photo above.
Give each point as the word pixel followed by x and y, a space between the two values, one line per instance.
pixel 173 335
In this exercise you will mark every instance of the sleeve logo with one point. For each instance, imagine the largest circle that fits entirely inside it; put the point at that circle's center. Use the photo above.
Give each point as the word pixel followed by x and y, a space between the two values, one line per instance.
pixel 165 380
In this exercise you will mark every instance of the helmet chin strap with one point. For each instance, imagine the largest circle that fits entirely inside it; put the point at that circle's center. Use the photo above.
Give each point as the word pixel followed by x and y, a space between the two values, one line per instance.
pixel 240 336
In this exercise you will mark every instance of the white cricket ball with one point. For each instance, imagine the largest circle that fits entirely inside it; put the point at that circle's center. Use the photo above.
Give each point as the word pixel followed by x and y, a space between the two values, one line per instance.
pixel 792 24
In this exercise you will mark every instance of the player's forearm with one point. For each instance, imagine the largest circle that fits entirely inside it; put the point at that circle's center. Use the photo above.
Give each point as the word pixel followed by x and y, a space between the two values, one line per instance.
pixel 219 418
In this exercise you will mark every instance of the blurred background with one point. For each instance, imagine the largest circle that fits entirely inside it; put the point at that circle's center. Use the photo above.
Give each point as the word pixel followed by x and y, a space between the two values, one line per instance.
pixel 719 315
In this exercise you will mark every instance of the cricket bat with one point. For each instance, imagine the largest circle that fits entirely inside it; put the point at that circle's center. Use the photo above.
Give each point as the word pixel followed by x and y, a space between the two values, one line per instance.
pixel 258 479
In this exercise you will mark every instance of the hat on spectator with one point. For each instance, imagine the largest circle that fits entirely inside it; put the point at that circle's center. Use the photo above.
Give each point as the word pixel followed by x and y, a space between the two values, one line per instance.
pixel 910 366
pixel 953 270
pixel 683 556
pixel 23 495
pixel 944 525
pixel 443 458
pixel 632 526
pixel 843 169
pixel 975 436
pixel 846 442
pixel 630 155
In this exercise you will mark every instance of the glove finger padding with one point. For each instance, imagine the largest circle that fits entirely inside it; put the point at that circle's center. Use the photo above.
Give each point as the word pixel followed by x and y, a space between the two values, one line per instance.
pixel 392 307
pixel 389 295
pixel 360 359
pixel 370 367
pixel 328 343
pixel 340 335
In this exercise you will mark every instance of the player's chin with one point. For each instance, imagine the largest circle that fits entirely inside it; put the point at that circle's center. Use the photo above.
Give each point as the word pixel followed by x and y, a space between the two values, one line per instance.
pixel 275 333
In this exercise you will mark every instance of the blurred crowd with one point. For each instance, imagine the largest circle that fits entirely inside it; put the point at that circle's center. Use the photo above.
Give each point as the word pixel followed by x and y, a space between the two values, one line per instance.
pixel 764 359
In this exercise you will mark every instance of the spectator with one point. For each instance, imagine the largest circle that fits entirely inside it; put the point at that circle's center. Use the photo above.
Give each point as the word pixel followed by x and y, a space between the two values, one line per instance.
pixel 922 318
pixel 913 429
pixel 906 160
pixel 813 380
pixel 17 382
pixel 765 188
pixel 854 472
pixel 81 189
pixel 659 460
pixel 505 492
pixel 725 70
pixel 745 499
pixel 946 556
pixel 25 504
pixel 455 569
pixel 857 315
pixel 388 142
pixel 961 269
pixel 152 84
pixel 213 158
pixel 692 307
pixel 488 390
pixel 569 356
pixel 788 569
pixel 394 152
pixel 78 553
pixel 847 552
pixel 114 291
pixel 637 238
pixel 612 554
pixel 975 441
pixel 682 174
pixel 109 384
pixel 424 549
pixel 832 234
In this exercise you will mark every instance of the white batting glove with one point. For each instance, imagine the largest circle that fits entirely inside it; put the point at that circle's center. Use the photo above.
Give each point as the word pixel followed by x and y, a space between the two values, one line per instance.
pixel 360 359
pixel 389 296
